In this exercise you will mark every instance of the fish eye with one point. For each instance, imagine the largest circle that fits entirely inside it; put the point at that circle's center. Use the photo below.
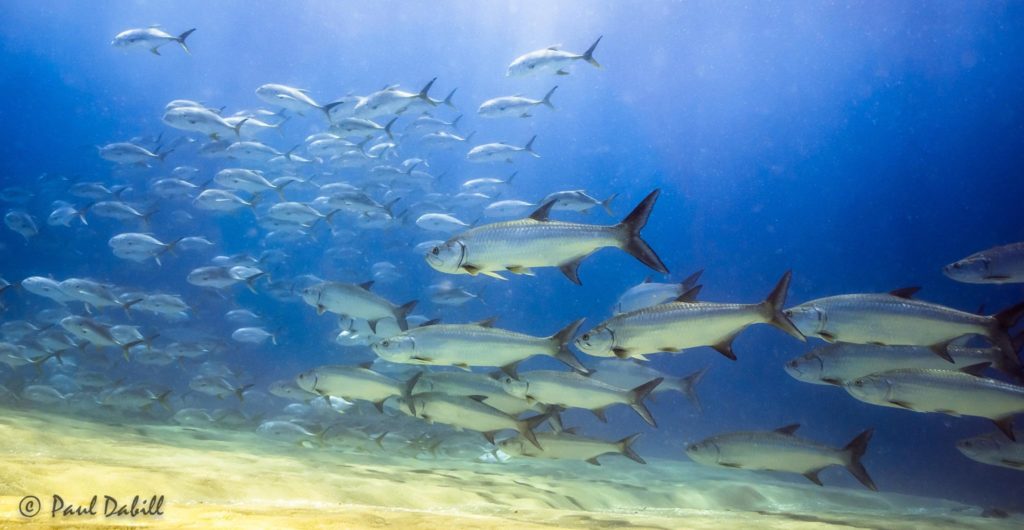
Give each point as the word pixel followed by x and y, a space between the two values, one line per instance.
pixel 385 343
pixel 435 251
pixel 586 337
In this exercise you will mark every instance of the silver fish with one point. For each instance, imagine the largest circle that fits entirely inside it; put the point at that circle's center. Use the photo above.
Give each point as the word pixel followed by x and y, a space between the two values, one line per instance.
pixel 1004 264
pixel 897 319
pixel 651 293
pixel 516 246
pixel 568 389
pixel 151 38
pixel 676 326
pixel 477 344
pixel 356 301
pixel 781 450
pixel 570 446
pixel 956 393
pixel 500 152
pixel 550 60
pixel 514 106
pixel 470 413
pixel 993 449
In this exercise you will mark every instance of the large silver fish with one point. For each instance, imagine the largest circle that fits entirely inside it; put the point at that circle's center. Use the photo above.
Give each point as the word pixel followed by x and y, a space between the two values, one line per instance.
pixel 470 413
pixel 1003 264
pixel 517 246
pixel 354 382
pixel 356 301
pixel 840 363
pixel 569 389
pixel 568 445
pixel 897 319
pixel 477 344
pixel 676 326
pixel 993 449
pixel 956 393
pixel 781 450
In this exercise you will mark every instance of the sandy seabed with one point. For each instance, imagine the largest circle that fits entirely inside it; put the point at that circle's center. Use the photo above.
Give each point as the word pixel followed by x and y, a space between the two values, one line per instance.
pixel 223 479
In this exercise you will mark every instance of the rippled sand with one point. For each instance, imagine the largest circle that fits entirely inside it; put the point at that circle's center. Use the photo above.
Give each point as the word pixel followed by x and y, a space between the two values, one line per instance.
pixel 217 479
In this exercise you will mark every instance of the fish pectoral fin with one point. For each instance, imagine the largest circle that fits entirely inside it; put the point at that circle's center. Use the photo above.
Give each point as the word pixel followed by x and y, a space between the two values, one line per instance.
pixel 725 347
pixel 593 461
pixel 561 72
pixel 901 404
pixel 998 277
pixel 1006 426
pixel 813 476
pixel 1012 463
pixel 731 464
pixel 516 269
pixel 478 399
pixel 827 336
pixel 832 381
pixel 669 349
pixel 471 269
pixel 571 269
pixel 422 359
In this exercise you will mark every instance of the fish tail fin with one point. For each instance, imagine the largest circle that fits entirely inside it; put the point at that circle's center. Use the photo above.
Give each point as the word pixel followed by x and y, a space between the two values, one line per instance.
pixel 128 305
pixel 402 312
pixel 629 230
pixel 547 98
pixel 169 247
pixel 162 400
pixel 1000 335
pixel 181 40
pixel 387 128
pixel 854 451
pixel 162 156
pixel 407 389
pixel 529 147
pixel 637 396
pixel 589 54
pixel 625 446
pixel 424 93
pixel 280 188
pixel 469 136
pixel 250 282
pixel 562 340
pixel 527 426
pixel 455 122
pixel 240 392
pixel 607 203
pixel 238 127
pixel 448 101
pixel 688 387
pixel 508 180
pixel 775 303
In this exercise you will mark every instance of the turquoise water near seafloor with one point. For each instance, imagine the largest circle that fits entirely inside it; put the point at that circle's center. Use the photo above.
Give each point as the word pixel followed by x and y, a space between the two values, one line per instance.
pixel 861 146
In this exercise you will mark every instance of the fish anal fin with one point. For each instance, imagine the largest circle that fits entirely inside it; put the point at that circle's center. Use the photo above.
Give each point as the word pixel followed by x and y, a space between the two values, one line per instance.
pixel 593 461
pixel 902 404
pixel 813 476
pixel 725 348
pixel 789 429
pixel 1006 426
pixel 571 269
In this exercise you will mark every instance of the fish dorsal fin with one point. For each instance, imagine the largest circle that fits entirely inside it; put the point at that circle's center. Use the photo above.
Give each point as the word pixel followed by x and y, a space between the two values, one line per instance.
pixel 690 295
pixel 477 398
pixel 788 429
pixel 486 323
pixel 366 285
pixel 542 213
pixel 905 292
pixel 367 365
pixel 976 370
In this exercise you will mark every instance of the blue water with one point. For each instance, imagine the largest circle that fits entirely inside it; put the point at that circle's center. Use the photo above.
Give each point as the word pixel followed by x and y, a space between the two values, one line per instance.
pixel 861 145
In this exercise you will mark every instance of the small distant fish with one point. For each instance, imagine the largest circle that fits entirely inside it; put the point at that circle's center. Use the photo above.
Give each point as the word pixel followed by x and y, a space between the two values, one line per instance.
pixel 500 152
pixel 202 120
pixel 513 106
pixel 140 247
pixel 46 287
pixel 508 208
pixel 683 324
pixel 633 374
pixel 550 60
pixel 570 446
pixel 451 295
pixel 578 201
pixel 222 201
pixel 218 387
pixel 994 449
pixel 470 413
pixel 63 215
pixel 392 100
pixel 21 223
pixel 355 301
pixel 249 180
pixel 782 450
pixel 440 222
pixel 129 153
pixel 1003 264
pixel 151 38
pixel 488 183
pixel 253 335
pixel 650 293
pixel 353 382
pixel 516 246
pixel 291 98
pixel 957 393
